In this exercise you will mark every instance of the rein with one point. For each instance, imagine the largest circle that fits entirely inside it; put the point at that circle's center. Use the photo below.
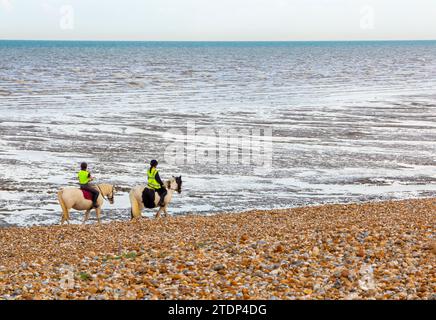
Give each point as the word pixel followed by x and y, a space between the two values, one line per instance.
pixel 101 193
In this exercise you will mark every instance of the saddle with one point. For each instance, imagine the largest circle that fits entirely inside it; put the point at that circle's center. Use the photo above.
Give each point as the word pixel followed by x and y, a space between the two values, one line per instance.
pixel 87 195
pixel 148 198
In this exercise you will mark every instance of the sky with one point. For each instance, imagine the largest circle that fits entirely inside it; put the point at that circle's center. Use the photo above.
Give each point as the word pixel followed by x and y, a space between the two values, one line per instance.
pixel 218 20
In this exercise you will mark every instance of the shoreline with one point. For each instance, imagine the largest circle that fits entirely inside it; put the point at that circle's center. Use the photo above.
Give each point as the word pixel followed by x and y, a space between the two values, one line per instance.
pixel 375 250
pixel 92 219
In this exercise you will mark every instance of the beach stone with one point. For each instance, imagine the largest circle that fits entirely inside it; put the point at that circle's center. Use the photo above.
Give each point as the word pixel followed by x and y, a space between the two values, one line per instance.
pixel 219 267
pixel 259 273
pixel 312 253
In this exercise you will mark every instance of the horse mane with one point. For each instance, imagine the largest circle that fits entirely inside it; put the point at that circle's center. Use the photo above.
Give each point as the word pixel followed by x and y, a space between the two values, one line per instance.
pixel 105 186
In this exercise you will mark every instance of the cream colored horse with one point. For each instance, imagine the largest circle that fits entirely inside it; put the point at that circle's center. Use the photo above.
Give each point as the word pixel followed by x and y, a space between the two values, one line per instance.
pixel 172 185
pixel 72 198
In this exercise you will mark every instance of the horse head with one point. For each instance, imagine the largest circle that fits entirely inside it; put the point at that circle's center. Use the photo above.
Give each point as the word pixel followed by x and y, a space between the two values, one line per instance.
pixel 107 191
pixel 175 184
pixel 179 184
pixel 110 197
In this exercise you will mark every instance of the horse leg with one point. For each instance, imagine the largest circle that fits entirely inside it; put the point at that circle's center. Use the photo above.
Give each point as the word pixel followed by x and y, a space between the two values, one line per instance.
pixel 86 216
pixel 165 211
pixel 158 213
pixel 98 212
pixel 62 218
pixel 65 213
pixel 135 211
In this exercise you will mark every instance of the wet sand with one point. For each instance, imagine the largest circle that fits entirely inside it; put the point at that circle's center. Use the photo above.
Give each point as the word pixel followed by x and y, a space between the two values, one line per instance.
pixel 313 162
pixel 384 250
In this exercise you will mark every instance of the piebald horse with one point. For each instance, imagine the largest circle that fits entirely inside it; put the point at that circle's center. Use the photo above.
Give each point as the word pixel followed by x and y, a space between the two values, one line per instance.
pixel 172 185
pixel 72 198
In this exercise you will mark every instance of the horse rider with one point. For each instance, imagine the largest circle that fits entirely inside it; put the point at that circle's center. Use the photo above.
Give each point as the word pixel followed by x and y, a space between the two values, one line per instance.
pixel 155 182
pixel 84 180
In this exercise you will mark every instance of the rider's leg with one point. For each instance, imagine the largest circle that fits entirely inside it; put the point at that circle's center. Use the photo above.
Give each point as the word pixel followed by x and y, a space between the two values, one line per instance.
pixel 94 193
pixel 162 193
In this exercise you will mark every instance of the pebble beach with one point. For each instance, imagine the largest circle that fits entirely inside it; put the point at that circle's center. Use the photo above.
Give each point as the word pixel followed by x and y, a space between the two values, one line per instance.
pixel 348 122
pixel 380 250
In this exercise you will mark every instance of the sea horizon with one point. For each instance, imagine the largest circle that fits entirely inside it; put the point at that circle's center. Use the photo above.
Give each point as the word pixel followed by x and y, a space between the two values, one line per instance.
pixel 221 41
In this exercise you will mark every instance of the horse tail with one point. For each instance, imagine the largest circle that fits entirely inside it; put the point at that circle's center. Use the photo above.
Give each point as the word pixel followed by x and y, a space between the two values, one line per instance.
pixel 63 206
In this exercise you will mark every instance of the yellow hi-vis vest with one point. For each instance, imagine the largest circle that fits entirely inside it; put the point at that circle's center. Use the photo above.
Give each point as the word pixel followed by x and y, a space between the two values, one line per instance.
pixel 152 183
pixel 83 176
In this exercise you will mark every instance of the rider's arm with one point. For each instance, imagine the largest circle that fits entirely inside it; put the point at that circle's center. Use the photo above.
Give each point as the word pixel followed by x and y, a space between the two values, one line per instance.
pixel 159 180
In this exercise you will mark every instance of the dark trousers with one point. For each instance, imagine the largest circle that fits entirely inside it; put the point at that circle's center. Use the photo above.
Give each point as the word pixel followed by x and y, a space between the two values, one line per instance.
pixel 93 191
pixel 162 192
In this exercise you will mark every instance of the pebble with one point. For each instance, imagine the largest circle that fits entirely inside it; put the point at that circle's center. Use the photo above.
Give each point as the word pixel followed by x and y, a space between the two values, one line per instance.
pixel 354 251
pixel 219 267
